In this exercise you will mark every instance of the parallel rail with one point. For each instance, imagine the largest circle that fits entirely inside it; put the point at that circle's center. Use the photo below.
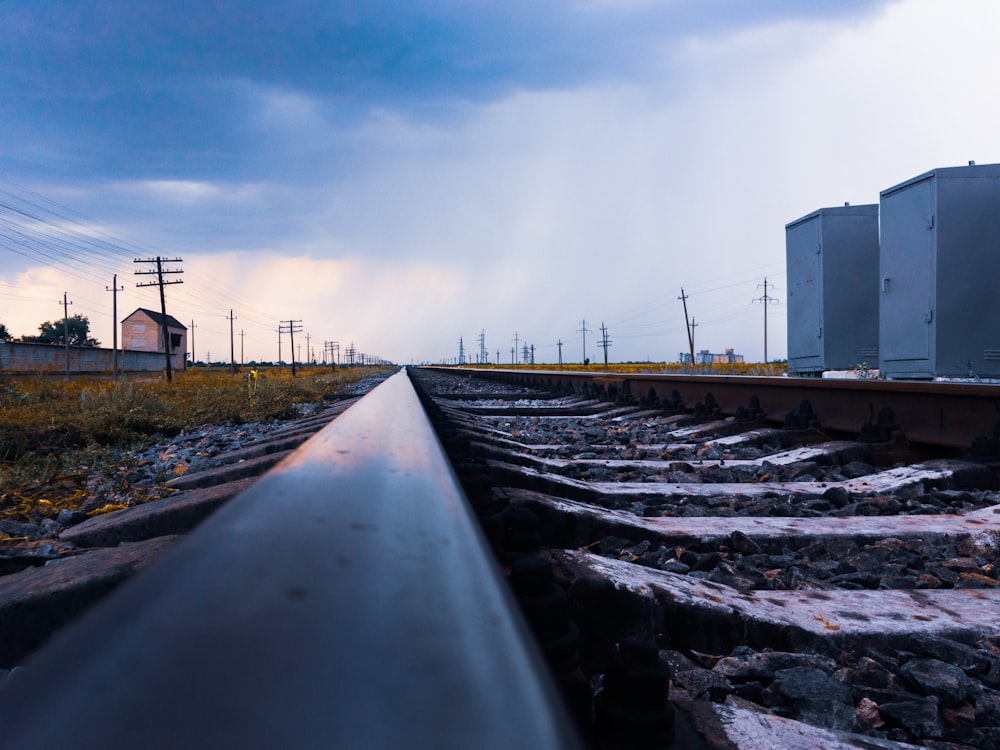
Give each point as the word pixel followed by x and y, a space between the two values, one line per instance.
pixel 347 599
pixel 940 414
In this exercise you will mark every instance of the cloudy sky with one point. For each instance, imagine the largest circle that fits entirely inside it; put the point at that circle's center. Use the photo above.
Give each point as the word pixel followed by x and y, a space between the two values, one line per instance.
pixel 403 175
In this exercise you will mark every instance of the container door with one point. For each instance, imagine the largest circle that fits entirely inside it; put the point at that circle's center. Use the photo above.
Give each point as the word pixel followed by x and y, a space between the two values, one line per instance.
pixel 805 295
pixel 907 254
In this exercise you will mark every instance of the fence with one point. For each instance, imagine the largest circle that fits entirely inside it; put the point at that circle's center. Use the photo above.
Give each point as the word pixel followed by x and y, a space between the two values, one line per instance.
pixel 17 356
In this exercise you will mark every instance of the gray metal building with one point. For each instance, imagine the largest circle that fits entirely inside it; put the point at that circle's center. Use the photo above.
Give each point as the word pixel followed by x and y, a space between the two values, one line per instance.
pixel 832 261
pixel 939 314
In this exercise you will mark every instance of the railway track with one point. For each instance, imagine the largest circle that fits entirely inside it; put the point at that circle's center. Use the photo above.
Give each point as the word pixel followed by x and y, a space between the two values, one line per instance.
pixel 805 582
pixel 703 563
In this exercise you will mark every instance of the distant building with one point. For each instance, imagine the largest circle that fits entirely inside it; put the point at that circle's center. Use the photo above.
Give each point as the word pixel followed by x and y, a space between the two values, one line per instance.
pixel 142 331
pixel 705 357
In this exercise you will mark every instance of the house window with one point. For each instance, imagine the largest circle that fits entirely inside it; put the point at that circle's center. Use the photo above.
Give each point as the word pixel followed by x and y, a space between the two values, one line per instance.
pixel 175 340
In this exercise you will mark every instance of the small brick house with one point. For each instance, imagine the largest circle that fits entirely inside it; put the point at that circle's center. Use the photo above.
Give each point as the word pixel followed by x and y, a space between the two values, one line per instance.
pixel 142 329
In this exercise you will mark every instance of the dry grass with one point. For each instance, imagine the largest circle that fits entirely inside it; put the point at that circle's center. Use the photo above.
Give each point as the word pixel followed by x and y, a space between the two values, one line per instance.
pixel 54 432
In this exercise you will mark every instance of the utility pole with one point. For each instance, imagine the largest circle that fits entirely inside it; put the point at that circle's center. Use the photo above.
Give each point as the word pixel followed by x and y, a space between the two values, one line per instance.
pixel 515 347
pixel 584 330
pixel 765 300
pixel 605 343
pixel 692 327
pixel 160 271
pixel 66 305
pixel 559 344
pixel 232 347
pixel 291 327
pixel 532 354
pixel 279 348
pixel 193 360
pixel 461 351
pixel 687 326
pixel 512 350
pixel 114 321
pixel 242 360
pixel 482 346
pixel 498 358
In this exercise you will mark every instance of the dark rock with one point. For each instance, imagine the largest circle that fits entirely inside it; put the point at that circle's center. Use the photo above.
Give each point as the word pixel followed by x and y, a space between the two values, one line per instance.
pixel 964 657
pixel 613 545
pixel 919 716
pixel 992 678
pixel 838 497
pixel 743 544
pixel 987 706
pixel 704 684
pixel 766 663
pixel 19 528
pixel 674 566
pixel 856 469
pixel 934 677
pixel 68 517
pixel 751 691
pixel 869 673
pixel 960 716
pixel 707 561
pixel 637 549
pixel 816 697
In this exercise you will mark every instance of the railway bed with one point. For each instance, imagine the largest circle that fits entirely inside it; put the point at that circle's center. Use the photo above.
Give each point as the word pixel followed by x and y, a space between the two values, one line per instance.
pixel 803 587
pixel 697 567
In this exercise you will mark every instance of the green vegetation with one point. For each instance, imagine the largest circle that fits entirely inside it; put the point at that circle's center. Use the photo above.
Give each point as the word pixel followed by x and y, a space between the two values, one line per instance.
pixel 76 328
pixel 54 432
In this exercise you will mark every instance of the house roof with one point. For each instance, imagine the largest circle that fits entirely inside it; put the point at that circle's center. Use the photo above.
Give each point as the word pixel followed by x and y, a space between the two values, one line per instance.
pixel 172 322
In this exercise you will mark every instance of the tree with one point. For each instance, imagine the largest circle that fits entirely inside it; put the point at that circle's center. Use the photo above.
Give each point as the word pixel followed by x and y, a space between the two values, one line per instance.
pixel 78 327
pixel 4 335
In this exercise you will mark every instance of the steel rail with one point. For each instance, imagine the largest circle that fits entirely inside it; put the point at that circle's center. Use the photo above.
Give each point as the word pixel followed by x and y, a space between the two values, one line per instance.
pixel 346 600
pixel 931 413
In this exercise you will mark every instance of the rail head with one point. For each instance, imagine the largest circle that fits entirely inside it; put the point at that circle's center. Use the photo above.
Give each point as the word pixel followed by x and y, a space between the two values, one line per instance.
pixel 347 599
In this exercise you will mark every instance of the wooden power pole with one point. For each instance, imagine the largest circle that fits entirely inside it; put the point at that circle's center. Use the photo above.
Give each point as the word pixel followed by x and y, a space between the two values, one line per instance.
pixel 160 282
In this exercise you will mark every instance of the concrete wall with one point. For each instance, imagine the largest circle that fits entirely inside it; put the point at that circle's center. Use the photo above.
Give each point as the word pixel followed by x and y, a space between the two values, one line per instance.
pixel 21 357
